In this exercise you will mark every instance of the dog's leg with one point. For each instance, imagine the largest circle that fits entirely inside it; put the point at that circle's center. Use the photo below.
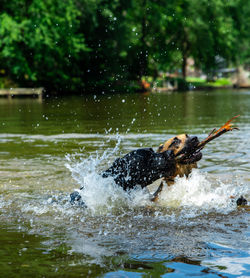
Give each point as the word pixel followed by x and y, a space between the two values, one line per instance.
pixel 76 199
pixel 169 181
pixel 157 192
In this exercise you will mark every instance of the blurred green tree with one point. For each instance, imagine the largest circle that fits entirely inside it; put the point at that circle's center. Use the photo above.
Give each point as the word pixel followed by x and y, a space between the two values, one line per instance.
pixel 88 45
pixel 40 43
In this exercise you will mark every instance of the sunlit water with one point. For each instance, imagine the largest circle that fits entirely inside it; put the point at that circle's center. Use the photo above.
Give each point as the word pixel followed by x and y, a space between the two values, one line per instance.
pixel 49 149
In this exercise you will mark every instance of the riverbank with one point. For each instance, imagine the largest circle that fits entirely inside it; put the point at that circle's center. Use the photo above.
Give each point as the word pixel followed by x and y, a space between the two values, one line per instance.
pixel 192 83
pixel 147 84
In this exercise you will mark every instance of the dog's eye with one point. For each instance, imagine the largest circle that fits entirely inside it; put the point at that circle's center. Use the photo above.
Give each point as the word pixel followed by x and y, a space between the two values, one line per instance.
pixel 175 142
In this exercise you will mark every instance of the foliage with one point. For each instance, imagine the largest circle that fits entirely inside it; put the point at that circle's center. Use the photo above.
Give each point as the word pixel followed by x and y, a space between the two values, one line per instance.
pixel 90 45
pixel 39 43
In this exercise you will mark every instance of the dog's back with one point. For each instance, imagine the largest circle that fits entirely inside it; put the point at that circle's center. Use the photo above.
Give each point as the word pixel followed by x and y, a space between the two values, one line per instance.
pixel 141 167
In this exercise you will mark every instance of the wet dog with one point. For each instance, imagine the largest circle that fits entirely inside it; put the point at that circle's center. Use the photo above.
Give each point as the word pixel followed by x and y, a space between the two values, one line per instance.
pixel 176 157
pixel 142 167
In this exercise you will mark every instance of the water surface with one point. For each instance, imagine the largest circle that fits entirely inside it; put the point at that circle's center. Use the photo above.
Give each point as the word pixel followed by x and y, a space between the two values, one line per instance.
pixel 49 149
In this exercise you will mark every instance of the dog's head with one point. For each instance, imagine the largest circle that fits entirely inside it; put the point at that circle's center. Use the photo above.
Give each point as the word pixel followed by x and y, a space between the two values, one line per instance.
pixel 183 144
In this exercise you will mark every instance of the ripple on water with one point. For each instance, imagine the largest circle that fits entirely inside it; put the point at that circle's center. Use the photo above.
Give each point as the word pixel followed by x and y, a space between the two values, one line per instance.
pixel 188 217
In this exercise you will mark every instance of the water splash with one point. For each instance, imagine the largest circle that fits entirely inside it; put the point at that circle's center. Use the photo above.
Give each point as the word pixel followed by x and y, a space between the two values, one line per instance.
pixel 99 194
pixel 200 193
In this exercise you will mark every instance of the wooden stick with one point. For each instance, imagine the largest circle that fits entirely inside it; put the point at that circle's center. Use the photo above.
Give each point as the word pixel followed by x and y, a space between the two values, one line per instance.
pixel 228 126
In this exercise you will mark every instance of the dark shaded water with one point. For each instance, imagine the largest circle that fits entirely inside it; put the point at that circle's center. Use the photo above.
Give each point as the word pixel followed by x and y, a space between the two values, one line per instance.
pixel 48 149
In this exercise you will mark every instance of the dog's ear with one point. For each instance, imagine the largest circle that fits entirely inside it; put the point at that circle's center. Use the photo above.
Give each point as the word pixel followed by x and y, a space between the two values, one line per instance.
pixel 160 148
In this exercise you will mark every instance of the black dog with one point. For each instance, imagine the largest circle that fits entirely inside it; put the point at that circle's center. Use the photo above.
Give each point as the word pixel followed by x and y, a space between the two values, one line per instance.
pixel 140 167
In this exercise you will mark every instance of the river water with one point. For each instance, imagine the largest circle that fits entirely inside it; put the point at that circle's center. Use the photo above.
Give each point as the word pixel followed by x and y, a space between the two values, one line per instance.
pixel 50 148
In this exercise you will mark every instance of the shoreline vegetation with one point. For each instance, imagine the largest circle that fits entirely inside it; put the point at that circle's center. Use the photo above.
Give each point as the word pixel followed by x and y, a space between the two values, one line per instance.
pixel 90 46
pixel 157 86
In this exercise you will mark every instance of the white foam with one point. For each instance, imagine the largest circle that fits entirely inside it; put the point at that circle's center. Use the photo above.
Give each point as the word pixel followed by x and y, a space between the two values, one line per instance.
pixel 200 192
pixel 195 195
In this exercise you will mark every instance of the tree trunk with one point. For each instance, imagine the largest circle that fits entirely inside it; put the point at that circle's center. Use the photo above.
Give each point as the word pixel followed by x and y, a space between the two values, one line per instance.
pixel 184 65
pixel 143 61
pixel 185 52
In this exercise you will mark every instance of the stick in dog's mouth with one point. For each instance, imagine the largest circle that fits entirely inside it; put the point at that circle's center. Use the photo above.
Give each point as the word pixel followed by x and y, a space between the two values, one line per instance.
pixel 192 155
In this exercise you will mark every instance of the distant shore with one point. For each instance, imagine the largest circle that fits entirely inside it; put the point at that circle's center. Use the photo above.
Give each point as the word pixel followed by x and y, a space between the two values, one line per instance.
pixel 151 88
